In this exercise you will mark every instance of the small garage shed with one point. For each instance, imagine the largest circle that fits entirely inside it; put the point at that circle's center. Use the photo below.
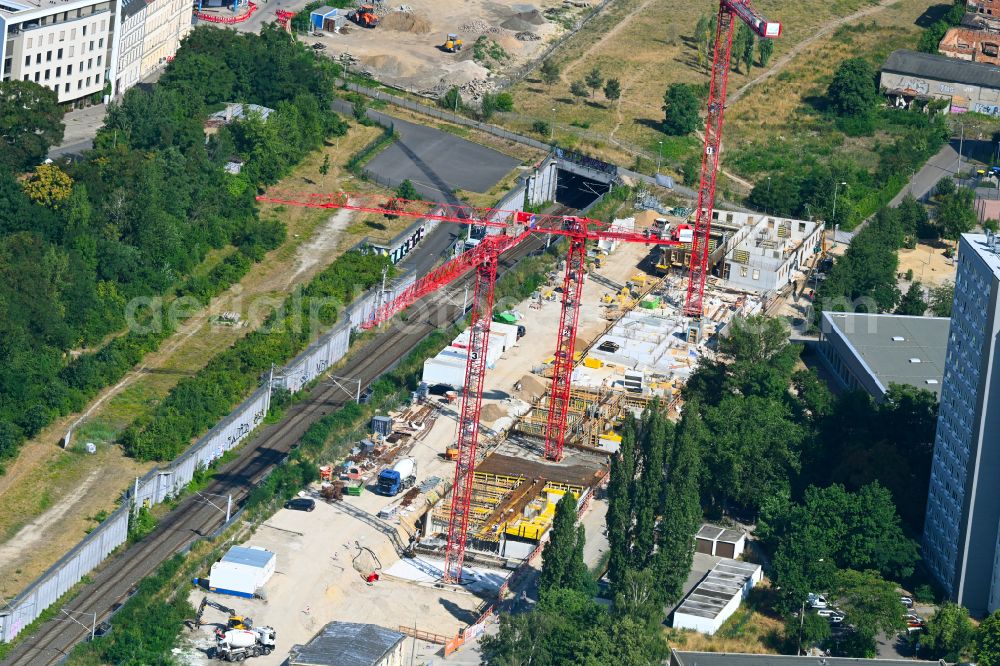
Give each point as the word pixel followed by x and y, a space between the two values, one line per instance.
pixel 717 596
pixel 242 571
pixel 319 16
pixel 718 541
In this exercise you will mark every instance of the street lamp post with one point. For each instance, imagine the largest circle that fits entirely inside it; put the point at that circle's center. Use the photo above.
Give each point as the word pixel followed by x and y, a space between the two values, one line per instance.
pixel 552 126
pixel 768 199
pixel 659 154
pixel 833 217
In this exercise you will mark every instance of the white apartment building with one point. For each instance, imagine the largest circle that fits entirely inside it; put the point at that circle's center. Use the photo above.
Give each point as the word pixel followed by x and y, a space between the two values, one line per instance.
pixel 62 44
pixel 963 507
pixel 149 34
pixel 78 47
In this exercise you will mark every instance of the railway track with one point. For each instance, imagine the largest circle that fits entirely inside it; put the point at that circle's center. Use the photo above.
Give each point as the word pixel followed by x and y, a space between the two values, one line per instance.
pixel 194 518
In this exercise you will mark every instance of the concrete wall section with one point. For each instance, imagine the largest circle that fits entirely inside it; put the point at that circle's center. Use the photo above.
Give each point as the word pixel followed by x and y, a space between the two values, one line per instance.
pixel 541 185
pixel 64 574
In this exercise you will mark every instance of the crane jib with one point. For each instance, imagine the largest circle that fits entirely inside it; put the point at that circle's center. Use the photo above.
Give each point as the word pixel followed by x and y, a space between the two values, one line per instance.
pixel 753 18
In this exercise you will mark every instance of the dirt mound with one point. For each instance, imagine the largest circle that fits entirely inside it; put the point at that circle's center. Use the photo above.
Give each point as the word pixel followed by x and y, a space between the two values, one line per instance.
pixel 518 25
pixel 534 17
pixel 388 66
pixel 492 412
pixel 406 22
pixel 532 387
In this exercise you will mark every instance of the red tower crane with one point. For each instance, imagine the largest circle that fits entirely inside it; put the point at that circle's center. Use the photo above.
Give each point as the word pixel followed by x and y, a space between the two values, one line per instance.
pixel 725 27
pixel 515 226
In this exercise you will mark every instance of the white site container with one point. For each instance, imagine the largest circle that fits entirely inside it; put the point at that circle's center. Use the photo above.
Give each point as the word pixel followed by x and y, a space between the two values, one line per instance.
pixel 444 370
pixel 242 571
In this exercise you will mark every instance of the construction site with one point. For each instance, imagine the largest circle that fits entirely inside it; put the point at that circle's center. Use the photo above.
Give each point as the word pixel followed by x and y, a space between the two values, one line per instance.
pixel 376 544
pixel 430 47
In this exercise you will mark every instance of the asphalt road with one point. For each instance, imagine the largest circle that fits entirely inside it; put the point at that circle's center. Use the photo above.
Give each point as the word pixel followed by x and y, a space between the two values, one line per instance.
pixel 194 518
pixel 433 160
pixel 944 163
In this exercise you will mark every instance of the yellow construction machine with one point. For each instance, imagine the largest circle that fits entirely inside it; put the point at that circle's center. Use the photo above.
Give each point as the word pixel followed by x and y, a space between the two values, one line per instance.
pixel 452 44
pixel 234 622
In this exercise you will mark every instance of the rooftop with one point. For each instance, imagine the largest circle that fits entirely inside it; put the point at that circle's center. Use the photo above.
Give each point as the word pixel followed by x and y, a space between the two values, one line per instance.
pixel 942 68
pixel 718 588
pixel 897 349
pixel 346 644
pixel 716 533
pixel 684 658
pixel 986 246
pixel 254 557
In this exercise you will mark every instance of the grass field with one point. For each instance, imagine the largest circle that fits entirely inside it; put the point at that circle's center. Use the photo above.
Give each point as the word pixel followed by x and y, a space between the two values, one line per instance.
pixel 648 44
pixel 779 122
pixel 49 494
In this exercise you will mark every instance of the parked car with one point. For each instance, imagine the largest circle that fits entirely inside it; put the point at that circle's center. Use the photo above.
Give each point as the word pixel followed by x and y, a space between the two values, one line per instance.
pixel 914 620
pixel 906 601
pixel 301 504
pixel 836 617
pixel 828 612
pixel 817 601
pixel 608 346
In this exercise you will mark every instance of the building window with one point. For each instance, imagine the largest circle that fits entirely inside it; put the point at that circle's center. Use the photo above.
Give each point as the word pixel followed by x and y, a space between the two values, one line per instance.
pixel 66 88
pixel 98 61
pixel 743 271
pixel 27 61
pixel 30 40
pixel 47 74
pixel 97 79
pixel 72 33
pixel 71 52
pixel 48 56
pixel 84 31
pixel 26 77
pixel 58 72
pixel 88 81
pixel 36 77
pixel 62 33
pixel 59 53
pixel 38 58
pixel 91 45
pixel 756 274
pixel 100 43
pixel 79 84
pixel 69 69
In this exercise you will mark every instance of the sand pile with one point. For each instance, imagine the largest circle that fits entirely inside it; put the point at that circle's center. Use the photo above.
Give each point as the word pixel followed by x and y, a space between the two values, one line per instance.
pixel 492 412
pixel 524 21
pixel 406 22
pixel 532 387
pixel 389 66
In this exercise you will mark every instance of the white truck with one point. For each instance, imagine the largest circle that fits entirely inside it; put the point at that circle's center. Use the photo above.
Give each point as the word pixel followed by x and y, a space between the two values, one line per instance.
pixel 239 644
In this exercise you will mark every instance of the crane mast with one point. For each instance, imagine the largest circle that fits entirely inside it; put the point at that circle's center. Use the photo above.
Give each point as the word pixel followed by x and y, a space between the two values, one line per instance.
pixel 729 10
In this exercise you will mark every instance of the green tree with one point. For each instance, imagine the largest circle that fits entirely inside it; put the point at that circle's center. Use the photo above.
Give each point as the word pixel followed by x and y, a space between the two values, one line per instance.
pixel 324 168
pixel 504 101
pixel 681 512
pixel 541 127
pixel 945 188
pixel 31 121
pixel 872 607
pixel 765 48
pixel 359 109
pixel 913 302
pixel 942 298
pixel 748 47
pixel 955 214
pixel 49 186
pixel 755 339
pixel 594 79
pixel 702 36
pixel 680 106
pixel 949 634
pixel 806 630
pixel 562 557
pixel 579 89
pixel 987 646
pixel 451 100
pixel 488 106
pixel 852 92
pixel 407 191
pixel 612 90
pixel 550 72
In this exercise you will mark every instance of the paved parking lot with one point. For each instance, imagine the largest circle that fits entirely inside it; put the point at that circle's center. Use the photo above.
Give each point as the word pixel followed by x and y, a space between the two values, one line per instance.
pixel 435 161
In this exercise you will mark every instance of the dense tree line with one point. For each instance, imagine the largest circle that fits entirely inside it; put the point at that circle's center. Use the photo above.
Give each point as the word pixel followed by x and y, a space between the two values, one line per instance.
pixel 79 241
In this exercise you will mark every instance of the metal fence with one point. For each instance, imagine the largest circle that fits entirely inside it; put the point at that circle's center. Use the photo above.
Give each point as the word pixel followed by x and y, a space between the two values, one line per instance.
pixel 64 574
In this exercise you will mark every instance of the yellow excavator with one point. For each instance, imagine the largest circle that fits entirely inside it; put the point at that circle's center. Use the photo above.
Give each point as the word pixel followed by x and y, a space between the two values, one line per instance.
pixel 234 622
pixel 453 43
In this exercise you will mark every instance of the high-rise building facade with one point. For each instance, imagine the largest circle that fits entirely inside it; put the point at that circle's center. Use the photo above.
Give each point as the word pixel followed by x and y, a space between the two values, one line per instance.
pixel 963 508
